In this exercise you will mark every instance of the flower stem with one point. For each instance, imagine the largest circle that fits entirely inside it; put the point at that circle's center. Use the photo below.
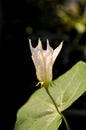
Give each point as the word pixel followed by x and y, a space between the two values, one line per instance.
pixel 63 117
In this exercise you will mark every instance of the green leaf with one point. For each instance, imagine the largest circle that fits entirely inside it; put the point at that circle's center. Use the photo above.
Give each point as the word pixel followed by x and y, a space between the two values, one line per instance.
pixel 39 112
pixel 70 86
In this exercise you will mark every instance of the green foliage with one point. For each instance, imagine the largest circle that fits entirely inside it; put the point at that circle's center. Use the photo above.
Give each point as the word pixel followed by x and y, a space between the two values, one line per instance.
pixel 39 112
pixel 70 86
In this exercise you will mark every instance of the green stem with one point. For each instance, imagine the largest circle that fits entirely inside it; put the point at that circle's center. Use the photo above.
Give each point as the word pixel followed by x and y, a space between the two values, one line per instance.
pixel 63 117
pixel 66 123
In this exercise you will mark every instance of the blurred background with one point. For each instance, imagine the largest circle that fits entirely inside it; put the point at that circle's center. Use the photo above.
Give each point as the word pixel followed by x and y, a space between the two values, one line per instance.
pixel 56 20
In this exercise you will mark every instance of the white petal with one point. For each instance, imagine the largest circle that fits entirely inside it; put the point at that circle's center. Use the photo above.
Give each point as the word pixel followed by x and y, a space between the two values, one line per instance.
pixel 57 51
pixel 49 47
pixel 43 60
pixel 39 46
pixel 30 44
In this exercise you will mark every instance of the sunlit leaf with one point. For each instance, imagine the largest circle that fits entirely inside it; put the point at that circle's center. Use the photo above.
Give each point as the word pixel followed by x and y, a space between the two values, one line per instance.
pixel 39 112
pixel 70 86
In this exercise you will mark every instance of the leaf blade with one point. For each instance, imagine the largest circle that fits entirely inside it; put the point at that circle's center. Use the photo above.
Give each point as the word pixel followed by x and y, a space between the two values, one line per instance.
pixel 38 114
pixel 70 86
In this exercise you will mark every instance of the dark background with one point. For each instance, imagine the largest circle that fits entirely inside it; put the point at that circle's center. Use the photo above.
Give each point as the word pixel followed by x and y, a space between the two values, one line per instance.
pixel 23 19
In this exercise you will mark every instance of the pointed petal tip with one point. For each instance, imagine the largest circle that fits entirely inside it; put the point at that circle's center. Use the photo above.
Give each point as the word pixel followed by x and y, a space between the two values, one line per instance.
pixel 61 42
pixel 57 51
pixel 39 43
pixel 47 41
pixel 30 44
pixel 29 41
pixel 60 45
pixel 39 39
pixel 47 44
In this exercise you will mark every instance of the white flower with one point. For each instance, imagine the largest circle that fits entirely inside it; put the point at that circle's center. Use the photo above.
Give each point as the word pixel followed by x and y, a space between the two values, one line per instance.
pixel 44 60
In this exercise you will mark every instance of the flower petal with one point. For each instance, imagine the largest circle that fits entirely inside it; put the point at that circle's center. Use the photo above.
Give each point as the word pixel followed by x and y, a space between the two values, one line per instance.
pixel 39 46
pixel 57 51
pixel 43 61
